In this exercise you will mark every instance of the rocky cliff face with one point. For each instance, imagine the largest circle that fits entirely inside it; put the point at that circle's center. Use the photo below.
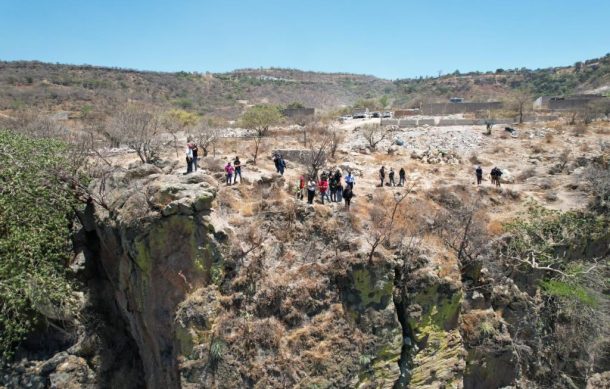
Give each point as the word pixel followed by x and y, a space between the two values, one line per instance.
pixel 185 288
pixel 156 245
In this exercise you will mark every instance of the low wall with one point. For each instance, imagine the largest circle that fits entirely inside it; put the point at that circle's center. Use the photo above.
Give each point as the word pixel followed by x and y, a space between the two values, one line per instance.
pixel 424 122
pixel 389 122
pixel 407 123
pixel 453 108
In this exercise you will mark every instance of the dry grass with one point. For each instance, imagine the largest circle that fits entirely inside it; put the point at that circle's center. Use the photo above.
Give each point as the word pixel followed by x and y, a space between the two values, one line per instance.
pixel 527 173
pixel 579 130
pixel 495 227
pixel 248 208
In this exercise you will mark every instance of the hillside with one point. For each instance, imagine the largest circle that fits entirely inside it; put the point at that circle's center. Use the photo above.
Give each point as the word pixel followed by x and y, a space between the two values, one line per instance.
pixel 86 89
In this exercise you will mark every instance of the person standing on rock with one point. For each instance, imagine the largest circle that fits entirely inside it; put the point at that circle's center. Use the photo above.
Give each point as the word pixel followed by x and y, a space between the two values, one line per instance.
pixel 281 165
pixel 323 186
pixel 276 162
pixel 333 189
pixel 350 180
pixel 401 176
pixel 195 154
pixel 347 196
pixel 391 177
pixel 237 167
pixel 189 158
pixel 498 176
pixel 311 190
pixel 339 185
pixel 229 170
pixel 479 173
pixel 382 175
pixel 495 176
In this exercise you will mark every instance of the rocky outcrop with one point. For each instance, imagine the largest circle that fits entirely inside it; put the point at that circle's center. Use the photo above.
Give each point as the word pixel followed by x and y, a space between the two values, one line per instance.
pixel 433 354
pixel 156 245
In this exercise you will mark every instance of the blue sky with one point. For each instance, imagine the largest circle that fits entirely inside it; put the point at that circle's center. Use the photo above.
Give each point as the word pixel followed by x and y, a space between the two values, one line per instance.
pixel 391 39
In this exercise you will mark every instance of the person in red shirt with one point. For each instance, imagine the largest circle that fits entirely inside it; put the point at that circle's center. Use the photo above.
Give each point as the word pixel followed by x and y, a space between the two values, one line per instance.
pixel 323 186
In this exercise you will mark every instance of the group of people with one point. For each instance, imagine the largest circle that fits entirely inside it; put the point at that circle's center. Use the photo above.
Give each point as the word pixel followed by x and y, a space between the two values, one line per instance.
pixel 232 171
pixel 495 174
pixel 391 182
pixel 330 186
pixel 191 157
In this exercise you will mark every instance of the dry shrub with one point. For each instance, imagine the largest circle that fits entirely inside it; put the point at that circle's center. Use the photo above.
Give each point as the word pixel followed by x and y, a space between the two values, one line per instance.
pixel 212 164
pixel 495 227
pixel 550 196
pixel 384 159
pixel 527 173
pixel 579 130
pixel 248 208
pixel 228 200
pixel 354 221
pixel 474 158
pixel 236 221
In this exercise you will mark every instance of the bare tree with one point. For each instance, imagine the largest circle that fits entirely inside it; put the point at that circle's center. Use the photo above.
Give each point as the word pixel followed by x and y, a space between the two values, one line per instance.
pixel 463 231
pixel 374 134
pixel 206 135
pixel 335 138
pixel 177 120
pixel 384 219
pixel 259 118
pixel 139 129
pixel 522 101
pixel 316 157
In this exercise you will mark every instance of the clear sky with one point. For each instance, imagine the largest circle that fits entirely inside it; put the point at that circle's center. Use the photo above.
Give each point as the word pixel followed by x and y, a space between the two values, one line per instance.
pixel 391 39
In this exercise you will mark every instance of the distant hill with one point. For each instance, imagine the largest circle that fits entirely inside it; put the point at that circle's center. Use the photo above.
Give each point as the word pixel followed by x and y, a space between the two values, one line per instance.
pixel 53 87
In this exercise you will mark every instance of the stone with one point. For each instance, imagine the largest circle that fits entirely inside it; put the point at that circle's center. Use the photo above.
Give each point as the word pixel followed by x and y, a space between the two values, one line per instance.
pixel 141 171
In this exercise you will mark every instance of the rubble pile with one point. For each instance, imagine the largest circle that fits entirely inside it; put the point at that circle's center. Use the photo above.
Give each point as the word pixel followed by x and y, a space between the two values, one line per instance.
pixel 435 155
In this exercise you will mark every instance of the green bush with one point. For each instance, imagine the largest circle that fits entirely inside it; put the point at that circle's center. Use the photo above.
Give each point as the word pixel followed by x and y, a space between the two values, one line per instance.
pixel 562 289
pixel 35 216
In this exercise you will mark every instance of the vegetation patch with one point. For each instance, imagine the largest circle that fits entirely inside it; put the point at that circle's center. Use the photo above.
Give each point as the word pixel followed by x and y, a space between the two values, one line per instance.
pixel 36 210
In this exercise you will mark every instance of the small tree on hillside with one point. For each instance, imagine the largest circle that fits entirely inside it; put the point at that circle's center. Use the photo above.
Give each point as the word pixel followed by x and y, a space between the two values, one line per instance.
pixel 139 129
pixel 386 216
pixel 316 158
pixel 335 140
pixel 259 118
pixel 206 133
pixel 374 134
pixel 521 101
pixel 177 120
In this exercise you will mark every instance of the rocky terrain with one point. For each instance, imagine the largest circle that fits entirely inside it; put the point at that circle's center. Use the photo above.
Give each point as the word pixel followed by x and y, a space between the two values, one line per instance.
pixel 188 282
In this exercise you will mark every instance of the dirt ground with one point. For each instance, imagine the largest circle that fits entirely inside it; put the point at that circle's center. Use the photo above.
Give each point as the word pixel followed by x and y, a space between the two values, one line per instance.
pixel 529 160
